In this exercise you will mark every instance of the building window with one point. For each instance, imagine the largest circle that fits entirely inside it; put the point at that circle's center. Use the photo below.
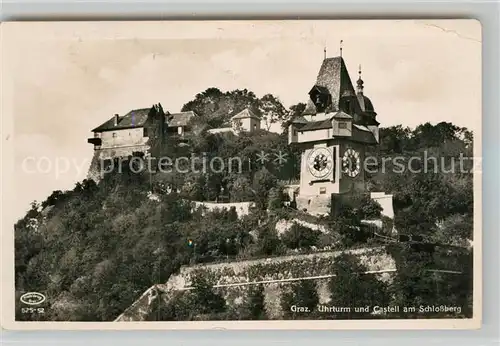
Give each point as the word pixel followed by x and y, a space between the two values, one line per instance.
pixel 145 132
pixel 295 132
pixel 114 134
pixel 342 125
pixel 322 190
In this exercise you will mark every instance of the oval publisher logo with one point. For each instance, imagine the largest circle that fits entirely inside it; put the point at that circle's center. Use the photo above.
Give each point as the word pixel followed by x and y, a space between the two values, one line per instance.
pixel 32 298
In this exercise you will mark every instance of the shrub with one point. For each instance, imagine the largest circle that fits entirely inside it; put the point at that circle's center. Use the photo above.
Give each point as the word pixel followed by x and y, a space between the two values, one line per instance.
pixel 300 237
pixel 303 294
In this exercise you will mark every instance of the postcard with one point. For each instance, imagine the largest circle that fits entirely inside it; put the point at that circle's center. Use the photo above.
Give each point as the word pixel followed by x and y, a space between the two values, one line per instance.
pixel 284 174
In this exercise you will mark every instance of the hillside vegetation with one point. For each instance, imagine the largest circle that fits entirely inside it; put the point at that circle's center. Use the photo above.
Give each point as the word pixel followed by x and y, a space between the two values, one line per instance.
pixel 94 250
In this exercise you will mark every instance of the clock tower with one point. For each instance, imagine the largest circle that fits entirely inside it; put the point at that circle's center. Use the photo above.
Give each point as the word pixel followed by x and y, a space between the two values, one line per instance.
pixel 333 133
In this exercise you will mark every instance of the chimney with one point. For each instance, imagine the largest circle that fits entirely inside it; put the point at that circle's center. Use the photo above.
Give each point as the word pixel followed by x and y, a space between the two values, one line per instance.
pixel 116 119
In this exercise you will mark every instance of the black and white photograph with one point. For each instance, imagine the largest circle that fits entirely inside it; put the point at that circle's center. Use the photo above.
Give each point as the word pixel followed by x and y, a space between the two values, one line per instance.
pixel 296 174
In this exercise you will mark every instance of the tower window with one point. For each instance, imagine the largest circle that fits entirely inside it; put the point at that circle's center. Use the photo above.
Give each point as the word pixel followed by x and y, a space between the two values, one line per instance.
pixel 348 107
pixel 342 125
pixel 320 97
pixel 114 134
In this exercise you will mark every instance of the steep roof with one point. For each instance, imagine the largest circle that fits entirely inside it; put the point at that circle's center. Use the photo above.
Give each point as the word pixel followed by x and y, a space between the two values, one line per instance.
pixel 310 108
pixel 362 134
pixel 317 125
pixel 342 115
pixel 299 120
pixel 244 114
pixel 362 128
pixel 333 75
pixel 134 118
pixel 180 119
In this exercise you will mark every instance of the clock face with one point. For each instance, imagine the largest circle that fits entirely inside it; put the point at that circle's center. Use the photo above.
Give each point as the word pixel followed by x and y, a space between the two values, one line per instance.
pixel 320 162
pixel 351 163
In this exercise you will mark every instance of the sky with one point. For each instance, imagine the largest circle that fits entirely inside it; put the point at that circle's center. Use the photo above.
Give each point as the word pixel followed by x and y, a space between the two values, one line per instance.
pixel 64 79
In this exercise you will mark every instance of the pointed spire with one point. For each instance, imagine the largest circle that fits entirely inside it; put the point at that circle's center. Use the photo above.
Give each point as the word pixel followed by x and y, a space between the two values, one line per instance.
pixel 360 81
pixel 341 42
pixel 324 53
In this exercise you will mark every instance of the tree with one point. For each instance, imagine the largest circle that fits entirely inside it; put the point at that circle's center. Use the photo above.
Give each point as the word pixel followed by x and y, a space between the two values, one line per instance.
pixel 205 300
pixel 263 182
pixel 205 103
pixel 268 241
pixel 362 206
pixel 253 305
pixel 218 107
pixel 293 112
pixel 394 139
pixel 300 300
pixel 276 198
pixel 428 135
pixel 456 229
pixel 240 190
pixel 193 187
pixel 300 237
pixel 272 110
pixel 353 287
pixel 179 307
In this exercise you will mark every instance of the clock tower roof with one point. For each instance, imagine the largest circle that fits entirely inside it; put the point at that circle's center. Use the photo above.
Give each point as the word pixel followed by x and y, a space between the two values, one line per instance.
pixel 334 79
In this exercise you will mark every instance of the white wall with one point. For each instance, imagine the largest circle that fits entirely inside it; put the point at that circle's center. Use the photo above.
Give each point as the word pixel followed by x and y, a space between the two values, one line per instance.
pixel 308 136
pixel 242 208
pixel 385 202
pixel 246 124
pixel 126 137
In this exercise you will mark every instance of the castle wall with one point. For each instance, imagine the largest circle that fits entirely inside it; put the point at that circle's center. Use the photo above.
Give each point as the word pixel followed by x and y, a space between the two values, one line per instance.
pixel 242 208
pixel 275 274
pixel 123 151
pixel 118 143
pixel 123 138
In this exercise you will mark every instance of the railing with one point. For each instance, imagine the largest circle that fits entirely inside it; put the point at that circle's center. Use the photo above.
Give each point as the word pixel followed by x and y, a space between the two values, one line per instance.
pixel 290 253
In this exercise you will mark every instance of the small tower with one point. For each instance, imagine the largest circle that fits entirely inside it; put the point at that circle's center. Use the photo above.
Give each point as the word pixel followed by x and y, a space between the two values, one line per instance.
pixel 246 121
pixel 369 114
pixel 360 82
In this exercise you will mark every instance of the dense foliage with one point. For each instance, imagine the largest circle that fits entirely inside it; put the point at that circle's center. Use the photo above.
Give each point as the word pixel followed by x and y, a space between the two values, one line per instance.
pixel 95 249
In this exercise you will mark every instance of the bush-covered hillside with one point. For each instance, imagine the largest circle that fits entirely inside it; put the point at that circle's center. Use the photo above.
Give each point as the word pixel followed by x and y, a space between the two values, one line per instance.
pixel 94 250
